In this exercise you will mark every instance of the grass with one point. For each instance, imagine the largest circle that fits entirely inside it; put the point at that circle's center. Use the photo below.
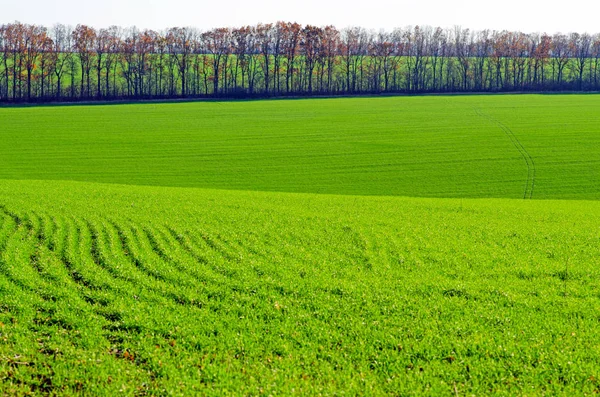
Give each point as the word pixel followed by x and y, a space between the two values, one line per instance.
pixel 417 146
pixel 108 288
pixel 154 290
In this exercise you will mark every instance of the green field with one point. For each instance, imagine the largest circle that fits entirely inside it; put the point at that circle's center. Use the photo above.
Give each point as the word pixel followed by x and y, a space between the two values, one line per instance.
pixel 263 248
pixel 418 146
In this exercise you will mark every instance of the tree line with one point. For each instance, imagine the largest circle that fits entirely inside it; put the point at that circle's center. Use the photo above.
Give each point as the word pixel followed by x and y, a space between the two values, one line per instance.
pixel 83 63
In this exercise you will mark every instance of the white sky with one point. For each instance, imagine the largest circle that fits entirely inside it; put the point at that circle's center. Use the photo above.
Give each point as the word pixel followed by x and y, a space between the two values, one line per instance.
pixel 549 16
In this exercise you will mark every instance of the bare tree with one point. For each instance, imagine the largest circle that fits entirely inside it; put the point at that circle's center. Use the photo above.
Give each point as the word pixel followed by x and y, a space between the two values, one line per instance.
pixel 353 46
pixel 218 44
pixel 60 54
pixel 580 48
pixel 481 51
pixel 330 45
pixel 464 48
pixel 180 43
pixel 46 64
pixel 291 42
pixel 84 38
pixel 3 63
pixel 101 47
pixel 310 45
pixel 33 37
pixel 596 56
pixel 35 63
pixel 264 36
pixel 560 57
pixel 14 48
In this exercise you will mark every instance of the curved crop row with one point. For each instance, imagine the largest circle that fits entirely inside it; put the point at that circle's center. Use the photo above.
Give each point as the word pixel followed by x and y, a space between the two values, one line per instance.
pixel 179 291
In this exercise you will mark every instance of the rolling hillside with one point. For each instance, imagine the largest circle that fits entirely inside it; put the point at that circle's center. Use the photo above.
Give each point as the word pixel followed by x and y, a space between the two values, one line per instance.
pixel 182 249
pixel 472 146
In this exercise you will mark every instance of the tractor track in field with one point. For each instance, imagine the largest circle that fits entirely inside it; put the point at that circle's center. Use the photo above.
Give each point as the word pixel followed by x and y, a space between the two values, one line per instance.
pixel 531 171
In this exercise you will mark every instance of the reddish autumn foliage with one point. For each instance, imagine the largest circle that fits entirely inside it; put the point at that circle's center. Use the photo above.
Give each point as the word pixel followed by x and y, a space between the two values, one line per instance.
pixel 63 63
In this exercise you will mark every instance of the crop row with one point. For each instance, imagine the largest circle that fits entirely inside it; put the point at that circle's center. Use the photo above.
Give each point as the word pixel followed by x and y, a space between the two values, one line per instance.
pixel 179 291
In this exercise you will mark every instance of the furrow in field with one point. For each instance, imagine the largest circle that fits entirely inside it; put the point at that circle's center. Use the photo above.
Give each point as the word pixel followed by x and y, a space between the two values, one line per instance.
pixel 106 266
pixel 110 250
pixel 129 249
pixel 51 280
pixel 75 254
pixel 183 240
pixel 100 292
pixel 57 237
pixel 124 248
pixel 218 252
pixel 55 258
pixel 32 224
pixel 99 248
pixel 205 254
pixel 87 260
pixel 169 251
pixel 155 246
pixel 57 283
pixel 66 246
pixel 145 251
pixel 56 232
pixel 140 252
pixel 41 258
pixel 181 287
pixel 215 245
pixel 6 230
pixel 531 171
pixel 16 218
pixel 43 229
pixel 9 235
pixel 65 242
pixel 36 227
pixel 196 262
pixel 16 260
